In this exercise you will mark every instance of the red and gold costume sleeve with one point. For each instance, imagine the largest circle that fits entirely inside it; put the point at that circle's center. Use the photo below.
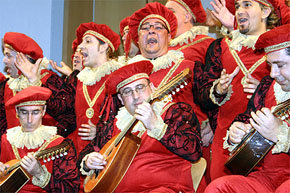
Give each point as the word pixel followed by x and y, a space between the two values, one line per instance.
pixel 64 174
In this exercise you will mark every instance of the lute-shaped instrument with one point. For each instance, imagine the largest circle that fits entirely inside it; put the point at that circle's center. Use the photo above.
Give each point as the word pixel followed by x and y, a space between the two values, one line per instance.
pixel 122 148
pixel 16 177
pixel 254 146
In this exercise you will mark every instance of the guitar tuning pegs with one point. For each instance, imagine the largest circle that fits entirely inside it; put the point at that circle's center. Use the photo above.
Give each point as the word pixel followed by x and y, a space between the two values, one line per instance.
pixel 52 158
pixel 65 153
pixel 60 155
pixel 56 156
pixel 185 83
pixel 173 93
pixel 177 89
pixel 181 86
pixel 44 160
pixel 48 159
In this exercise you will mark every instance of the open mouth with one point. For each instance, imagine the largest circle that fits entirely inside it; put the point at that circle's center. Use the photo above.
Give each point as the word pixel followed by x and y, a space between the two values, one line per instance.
pixel 84 54
pixel 152 41
pixel 242 21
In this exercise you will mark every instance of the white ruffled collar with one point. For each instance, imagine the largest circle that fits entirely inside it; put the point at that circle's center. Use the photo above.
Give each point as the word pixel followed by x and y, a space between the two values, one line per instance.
pixel 124 117
pixel 188 36
pixel 280 95
pixel 89 76
pixel 31 140
pixel 161 62
pixel 21 82
pixel 240 40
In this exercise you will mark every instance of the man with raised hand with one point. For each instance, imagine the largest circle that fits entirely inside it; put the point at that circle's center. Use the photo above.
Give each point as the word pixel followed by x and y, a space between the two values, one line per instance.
pixel 233 70
pixel 273 171
pixel 83 91
pixel 14 44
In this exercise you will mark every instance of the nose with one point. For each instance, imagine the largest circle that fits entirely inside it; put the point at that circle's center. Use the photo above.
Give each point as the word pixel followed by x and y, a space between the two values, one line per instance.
pixel 274 71
pixel 5 60
pixel 135 94
pixel 152 29
pixel 29 118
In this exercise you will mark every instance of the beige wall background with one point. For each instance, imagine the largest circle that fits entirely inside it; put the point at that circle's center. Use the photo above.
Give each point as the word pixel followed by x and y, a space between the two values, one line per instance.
pixel 109 12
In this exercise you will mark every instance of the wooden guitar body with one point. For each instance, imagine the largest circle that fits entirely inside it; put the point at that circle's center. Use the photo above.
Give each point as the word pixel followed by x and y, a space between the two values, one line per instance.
pixel 16 177
pixel 108 179
pixel 248 153
pixel 15 180
pixel 122 148
pixel 254 146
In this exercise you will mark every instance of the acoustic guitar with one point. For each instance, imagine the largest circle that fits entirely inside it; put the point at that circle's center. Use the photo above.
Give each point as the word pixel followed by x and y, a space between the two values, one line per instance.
pixel 122 148
pixel 254 146
pixel 16 177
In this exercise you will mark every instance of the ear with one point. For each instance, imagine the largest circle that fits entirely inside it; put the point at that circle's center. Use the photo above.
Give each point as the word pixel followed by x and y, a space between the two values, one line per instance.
pixel 266 12
pixel 152 87
pixel 120 98
pixel 169 37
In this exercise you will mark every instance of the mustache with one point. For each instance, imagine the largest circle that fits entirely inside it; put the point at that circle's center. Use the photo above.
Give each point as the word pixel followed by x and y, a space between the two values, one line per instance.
pixel 152 40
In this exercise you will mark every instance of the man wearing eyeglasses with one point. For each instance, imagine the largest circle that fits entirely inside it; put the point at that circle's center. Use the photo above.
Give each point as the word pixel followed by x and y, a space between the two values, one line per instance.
pixel 152 28
pixel 163 161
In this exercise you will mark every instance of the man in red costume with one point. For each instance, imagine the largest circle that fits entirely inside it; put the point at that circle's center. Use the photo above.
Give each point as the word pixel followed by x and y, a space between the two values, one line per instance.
pixel 27 48
pixel 152 27
pixel 233 70
pixel 169 134
pixel 191 39
pixel 22 142
pixel 273 173
pixel 83 91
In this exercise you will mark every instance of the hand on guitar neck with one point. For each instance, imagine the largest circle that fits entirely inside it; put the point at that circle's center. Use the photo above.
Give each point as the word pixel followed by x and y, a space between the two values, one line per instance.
pixel 29 163
pixel 32 165
pixel 263 121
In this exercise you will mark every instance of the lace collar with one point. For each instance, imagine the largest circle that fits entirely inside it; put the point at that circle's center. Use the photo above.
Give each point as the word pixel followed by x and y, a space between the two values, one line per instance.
pixel 189 36
pixel 240 40
pixel 124 117
pixel 280 95
pixel 161 62
pixel 21 82
pixel 89 76
pixel 31 140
